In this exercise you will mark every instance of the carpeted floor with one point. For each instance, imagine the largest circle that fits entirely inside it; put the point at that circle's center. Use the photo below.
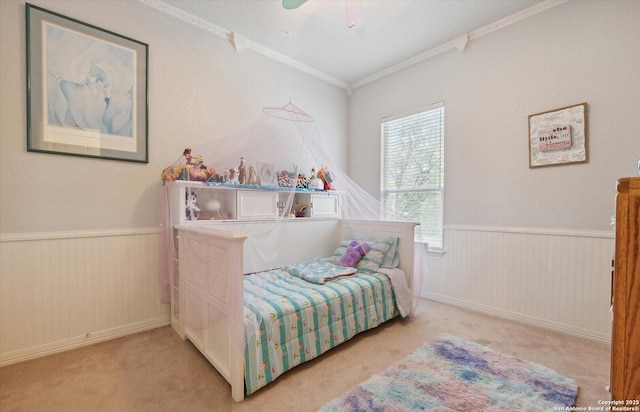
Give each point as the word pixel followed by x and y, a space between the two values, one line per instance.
pixel 157 371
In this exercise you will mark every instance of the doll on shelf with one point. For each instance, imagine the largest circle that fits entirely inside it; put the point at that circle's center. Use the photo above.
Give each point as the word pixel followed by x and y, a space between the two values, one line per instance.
pixel 192 207
pixel 242 173
pixel 253 176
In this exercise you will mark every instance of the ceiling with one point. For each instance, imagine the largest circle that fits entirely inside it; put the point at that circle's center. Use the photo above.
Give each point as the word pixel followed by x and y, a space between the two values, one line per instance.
pixel 315 37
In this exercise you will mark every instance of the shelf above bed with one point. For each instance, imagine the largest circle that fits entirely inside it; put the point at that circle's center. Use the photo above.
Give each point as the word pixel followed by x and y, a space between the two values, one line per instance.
pixel 246 202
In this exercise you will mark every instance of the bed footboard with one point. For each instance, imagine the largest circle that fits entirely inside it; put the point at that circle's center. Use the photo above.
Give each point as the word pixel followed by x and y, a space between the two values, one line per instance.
pixel 210 304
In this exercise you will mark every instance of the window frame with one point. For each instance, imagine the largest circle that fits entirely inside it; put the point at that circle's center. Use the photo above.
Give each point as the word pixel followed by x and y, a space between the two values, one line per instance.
pixel 385 191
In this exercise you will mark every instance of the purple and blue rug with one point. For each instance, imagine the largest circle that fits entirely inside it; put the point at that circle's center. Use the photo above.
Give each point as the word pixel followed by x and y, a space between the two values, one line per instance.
pixel 449 373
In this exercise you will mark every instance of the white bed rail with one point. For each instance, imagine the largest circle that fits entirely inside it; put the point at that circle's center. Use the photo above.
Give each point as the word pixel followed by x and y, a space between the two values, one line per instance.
pixel 210 306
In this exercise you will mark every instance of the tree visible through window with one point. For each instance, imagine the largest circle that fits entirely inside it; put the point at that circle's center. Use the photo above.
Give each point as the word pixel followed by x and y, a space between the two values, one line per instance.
pixel 412 181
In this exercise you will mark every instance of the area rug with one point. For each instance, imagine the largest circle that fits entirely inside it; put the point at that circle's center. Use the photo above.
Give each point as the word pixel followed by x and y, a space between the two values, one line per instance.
pixel 449 373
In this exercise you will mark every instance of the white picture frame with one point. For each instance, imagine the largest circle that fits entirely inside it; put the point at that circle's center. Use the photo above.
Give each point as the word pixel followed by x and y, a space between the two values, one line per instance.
pixel 267 174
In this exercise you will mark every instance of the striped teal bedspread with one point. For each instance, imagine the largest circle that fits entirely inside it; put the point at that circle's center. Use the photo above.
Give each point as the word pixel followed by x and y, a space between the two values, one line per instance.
pixel 289 321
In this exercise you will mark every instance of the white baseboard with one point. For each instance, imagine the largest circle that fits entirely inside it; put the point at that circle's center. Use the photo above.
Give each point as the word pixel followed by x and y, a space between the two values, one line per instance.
pixel 519 317
pixel 80 341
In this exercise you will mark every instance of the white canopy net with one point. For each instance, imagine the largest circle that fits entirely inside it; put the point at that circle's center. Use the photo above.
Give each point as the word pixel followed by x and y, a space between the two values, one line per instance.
pixel 283 151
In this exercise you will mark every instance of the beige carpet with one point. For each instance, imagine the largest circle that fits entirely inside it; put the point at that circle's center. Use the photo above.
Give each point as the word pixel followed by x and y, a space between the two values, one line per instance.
pixel 157 371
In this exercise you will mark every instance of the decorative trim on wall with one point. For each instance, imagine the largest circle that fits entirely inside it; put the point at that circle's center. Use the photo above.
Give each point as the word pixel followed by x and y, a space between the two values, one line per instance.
pixel 536 231
pixel 18 237
pixel 553 278
pixel 488 29
pixel 246 43
pixel 76 342
pixel 60 291
pixel 64 290
pixel 519 317
pixel 514 18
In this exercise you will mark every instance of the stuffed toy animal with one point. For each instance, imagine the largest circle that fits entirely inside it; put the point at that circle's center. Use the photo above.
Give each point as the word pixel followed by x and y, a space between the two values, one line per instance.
pixel 353 253
pixel 172 173
pixel 193 169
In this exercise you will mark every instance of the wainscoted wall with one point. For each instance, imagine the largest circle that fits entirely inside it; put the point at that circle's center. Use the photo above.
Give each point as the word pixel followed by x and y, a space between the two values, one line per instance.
pixel 558 279
pixel 62 290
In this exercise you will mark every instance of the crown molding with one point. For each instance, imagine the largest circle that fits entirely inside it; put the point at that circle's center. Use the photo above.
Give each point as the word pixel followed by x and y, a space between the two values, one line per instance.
pixel 258 48
pixel 483 31
pixel 247 44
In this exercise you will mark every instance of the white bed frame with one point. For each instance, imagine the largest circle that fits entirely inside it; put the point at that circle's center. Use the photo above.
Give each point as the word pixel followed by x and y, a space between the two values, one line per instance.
pixel 215 297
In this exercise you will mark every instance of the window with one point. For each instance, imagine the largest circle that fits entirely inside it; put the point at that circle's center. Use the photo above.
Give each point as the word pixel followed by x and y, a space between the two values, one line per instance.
pixel 412 181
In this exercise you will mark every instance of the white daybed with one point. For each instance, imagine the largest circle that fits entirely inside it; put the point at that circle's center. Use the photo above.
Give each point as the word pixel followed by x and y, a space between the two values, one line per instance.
pixel 209 306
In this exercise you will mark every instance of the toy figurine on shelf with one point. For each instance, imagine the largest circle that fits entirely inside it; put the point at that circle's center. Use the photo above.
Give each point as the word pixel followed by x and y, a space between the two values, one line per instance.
pixel 315 182
pixel 242 173
pixel 172 173
pixel 253 176
pixel 192 207
pixel 196 168
pixel 193 169
pixel 302 182
pixel 325 176
pixel 233 176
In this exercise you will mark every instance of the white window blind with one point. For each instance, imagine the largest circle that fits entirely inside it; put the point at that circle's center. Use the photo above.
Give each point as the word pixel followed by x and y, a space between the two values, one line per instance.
pixel 412 181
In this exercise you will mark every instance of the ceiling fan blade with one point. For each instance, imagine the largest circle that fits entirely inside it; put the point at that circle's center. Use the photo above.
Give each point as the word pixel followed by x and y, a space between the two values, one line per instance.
pixel 292 4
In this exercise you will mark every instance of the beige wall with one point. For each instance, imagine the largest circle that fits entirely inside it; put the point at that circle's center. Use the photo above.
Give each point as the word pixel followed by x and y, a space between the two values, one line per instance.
pixel 533 245
pixel 579 51
pixel 79 237
pixel 200 89
pixel 77 221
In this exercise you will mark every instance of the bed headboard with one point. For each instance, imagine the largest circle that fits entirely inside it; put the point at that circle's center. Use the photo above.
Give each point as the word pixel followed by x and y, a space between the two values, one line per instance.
pixel 271 244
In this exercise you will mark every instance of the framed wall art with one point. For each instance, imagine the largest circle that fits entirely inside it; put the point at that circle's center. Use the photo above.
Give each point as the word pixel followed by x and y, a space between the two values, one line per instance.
pixel 558 136
pixel 87 91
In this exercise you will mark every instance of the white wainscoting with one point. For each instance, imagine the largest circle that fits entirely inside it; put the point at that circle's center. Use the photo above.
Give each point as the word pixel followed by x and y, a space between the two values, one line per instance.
pixel 60 291
pixel 557 279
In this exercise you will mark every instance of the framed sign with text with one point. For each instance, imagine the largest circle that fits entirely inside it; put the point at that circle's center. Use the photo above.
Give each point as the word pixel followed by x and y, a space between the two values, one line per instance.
pixel 558 136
